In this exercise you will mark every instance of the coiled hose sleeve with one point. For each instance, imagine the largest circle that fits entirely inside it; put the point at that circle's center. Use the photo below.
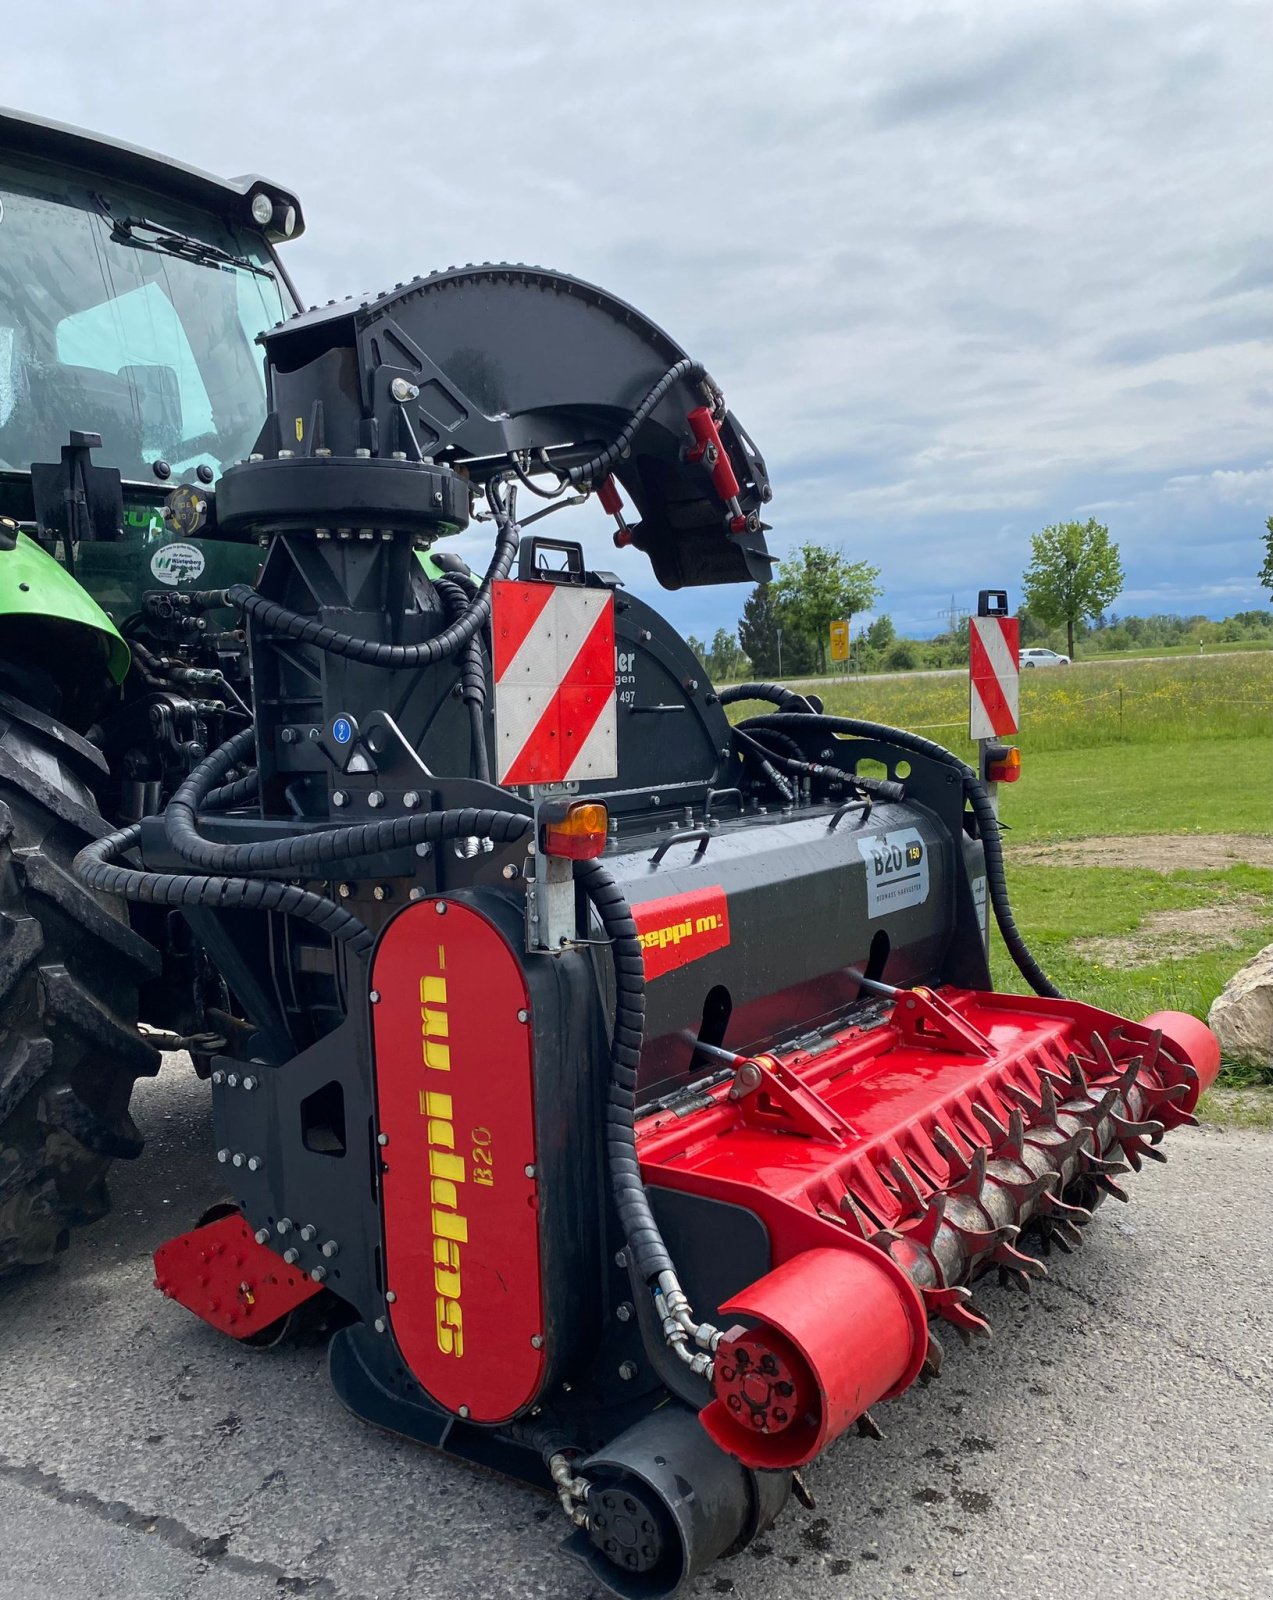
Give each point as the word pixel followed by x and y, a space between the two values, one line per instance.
pixel 319 849
pixel 308 630
pixel 457 599
pixel 645 1242
pixel 978 799
pixel 97 865
pixel 598 468
pixel 776 693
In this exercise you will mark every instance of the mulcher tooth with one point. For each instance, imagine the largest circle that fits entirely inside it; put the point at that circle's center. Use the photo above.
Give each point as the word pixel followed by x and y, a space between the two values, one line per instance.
pixel 1100 1166
pixel 1126 1129
pixel 855 1216
pixel 1019 1097
pixel 923 1231
pixel 868 1428
pixel 803 1492
pixel 1104 1107
pixel 953 1306
pixel 998 1133
pixel 1062 1232
pixel 1052 1205
pixel 970 1185
pixel 1129 1075
pixel 957 1163
pixel 1078 1078
pixel 1047 1100
pixel 1020 1267
pixel 933 1358
pixel 1014 1145
pixel 1110 1187
pixel 1101 1055
pixel 904 1179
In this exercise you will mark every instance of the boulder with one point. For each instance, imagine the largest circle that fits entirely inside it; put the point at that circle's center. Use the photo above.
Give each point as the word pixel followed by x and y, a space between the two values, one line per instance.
pixel 1242 1016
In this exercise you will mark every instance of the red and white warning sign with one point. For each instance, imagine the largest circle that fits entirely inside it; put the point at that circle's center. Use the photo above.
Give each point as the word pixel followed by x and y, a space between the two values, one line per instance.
pixel 994 676
pixel 555 713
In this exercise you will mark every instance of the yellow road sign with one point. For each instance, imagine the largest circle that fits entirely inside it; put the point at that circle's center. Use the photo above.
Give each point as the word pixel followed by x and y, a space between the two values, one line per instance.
pixel 839 641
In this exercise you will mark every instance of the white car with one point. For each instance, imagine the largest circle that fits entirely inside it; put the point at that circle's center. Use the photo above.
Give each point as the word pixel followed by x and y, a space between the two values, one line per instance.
pixel 1043 658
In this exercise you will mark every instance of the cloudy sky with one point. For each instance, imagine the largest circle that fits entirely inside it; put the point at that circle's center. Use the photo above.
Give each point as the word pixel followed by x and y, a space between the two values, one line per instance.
pixel 963 270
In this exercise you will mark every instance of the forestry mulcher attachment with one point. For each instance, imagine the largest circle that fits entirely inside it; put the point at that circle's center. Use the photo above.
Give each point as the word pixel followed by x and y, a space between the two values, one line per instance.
pixel 629 1086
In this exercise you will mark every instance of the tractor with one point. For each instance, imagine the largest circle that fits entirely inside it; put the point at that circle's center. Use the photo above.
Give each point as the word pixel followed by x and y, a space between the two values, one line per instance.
pixel 132 293
pixel 621 1075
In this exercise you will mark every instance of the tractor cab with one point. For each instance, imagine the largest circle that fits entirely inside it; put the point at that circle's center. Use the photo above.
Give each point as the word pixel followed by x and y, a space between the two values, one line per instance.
pixel 132 292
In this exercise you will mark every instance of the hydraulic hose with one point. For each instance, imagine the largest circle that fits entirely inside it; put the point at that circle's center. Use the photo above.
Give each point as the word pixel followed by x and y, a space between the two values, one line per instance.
pixel 308 630
pixel 978 800
pixel 641 1231
pixel 457 597
pixel 600 466
pixel 776 693
pixel 97 865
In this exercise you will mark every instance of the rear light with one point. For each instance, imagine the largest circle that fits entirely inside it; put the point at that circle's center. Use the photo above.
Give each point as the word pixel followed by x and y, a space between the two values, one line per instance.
pixel 1003 764
pixel 576 830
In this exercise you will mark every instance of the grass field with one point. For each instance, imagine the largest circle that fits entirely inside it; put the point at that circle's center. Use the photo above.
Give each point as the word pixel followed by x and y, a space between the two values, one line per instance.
pixel 1181 747
pixel 1184 699
pixel 1224 646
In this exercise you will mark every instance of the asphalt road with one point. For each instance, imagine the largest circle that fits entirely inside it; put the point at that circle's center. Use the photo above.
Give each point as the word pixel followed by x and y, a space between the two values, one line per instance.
pixel 1115 1438
pixel 962 672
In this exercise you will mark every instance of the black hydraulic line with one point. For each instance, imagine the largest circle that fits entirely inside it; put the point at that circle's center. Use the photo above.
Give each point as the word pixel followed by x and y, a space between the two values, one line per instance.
pixel 776 693
pixel 233 794
pixel 308 630
pixel 321 848
pixel 877 788
pixel 978 799
pixel 765 759
pixel 600 466
pixel 457 597
pixel 97 865
pixel 648 1253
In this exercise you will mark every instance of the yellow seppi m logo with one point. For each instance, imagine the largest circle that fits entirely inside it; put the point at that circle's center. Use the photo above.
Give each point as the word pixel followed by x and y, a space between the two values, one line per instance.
pixel 448 1169
pixel 446 1166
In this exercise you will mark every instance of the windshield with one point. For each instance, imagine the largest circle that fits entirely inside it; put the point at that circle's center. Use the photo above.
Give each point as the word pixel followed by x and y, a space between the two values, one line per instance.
pixel 113 320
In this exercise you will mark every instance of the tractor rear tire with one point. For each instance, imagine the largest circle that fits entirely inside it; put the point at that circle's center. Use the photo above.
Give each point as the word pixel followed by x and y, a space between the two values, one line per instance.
pixel 70 970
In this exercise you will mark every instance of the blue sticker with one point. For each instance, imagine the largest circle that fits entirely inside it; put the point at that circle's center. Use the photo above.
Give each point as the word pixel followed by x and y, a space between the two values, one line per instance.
pixel 342 732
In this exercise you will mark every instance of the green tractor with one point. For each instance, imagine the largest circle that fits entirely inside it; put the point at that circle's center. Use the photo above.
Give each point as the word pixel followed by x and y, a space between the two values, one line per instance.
pixel 132 292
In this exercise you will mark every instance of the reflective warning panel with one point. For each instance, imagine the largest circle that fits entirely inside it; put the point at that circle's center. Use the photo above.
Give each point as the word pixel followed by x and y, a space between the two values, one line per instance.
pixel 553 647
pixel 994 675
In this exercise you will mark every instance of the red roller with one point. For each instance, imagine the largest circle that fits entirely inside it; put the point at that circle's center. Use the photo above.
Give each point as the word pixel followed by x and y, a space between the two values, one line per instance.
pixel 836 1331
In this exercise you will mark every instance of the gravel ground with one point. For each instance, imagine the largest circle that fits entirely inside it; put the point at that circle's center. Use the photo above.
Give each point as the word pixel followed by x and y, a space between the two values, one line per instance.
pixel 1115 1438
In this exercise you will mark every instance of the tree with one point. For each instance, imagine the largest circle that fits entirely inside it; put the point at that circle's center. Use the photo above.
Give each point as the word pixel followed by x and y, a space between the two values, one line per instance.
pixel 881 633
pixel 699 649
pixel 726 660
pixel 1266 571
pixel 769 637
pixel 758 630
pixel 816 587
pixel 1074 573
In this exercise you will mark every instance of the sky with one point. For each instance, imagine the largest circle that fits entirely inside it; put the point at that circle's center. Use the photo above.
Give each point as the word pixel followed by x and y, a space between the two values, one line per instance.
pixel 962 270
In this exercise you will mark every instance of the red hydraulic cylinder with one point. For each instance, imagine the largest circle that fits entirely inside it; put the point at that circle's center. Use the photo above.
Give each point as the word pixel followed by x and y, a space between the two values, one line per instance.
pixel 835 1332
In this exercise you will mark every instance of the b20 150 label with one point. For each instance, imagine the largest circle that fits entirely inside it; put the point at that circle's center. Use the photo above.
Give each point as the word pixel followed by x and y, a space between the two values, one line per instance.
pixel 896 870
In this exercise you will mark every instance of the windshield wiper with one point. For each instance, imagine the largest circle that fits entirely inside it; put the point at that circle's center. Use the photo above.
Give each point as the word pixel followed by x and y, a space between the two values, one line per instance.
pixel 169 242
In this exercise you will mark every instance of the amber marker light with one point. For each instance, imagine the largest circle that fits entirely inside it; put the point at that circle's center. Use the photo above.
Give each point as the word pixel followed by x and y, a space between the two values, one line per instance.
pixel 576 830
pixel 1003 764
